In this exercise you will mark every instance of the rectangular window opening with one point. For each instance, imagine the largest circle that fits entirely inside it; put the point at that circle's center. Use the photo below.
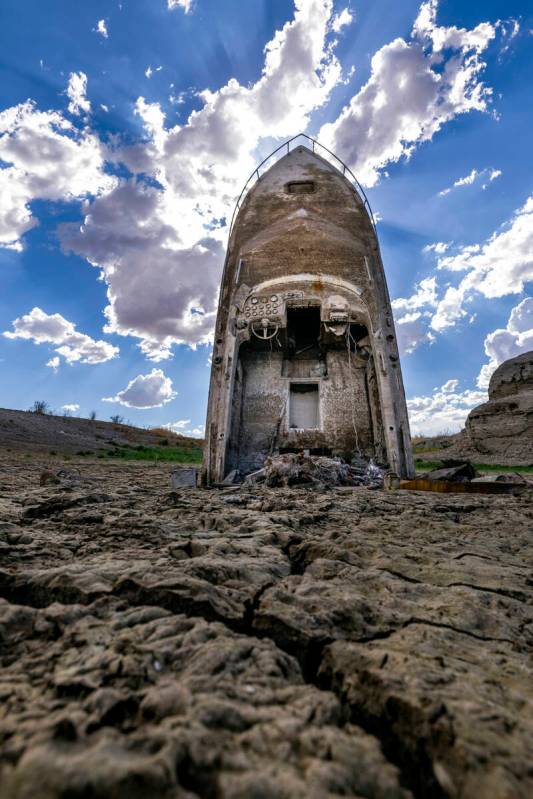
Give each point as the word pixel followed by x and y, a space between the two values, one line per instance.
pixel 301 187
pixel 303 406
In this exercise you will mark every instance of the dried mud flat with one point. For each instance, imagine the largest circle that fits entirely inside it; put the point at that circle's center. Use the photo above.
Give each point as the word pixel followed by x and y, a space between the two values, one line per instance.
pixel 260 644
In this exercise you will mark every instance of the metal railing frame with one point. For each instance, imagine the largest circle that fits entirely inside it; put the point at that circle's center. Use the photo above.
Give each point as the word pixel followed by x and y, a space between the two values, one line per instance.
pixel 346 171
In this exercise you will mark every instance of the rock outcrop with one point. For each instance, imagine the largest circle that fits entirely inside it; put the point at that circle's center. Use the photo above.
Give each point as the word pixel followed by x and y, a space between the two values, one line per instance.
pixel 503 426
pixel 259 643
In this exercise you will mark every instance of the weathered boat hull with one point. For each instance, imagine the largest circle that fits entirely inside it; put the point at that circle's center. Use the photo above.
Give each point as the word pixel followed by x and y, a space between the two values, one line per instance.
pixel 305 353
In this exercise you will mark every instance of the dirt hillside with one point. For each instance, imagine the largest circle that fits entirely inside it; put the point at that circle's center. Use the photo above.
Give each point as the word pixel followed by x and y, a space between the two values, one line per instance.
pixel 34 432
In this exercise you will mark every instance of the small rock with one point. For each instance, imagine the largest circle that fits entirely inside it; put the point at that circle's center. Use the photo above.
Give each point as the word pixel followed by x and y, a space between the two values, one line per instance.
pixel 235 499
pixel 511 477
pixel 164 699
pixel 256 477
pixel 462 473
pixel 48 478
pixel 89 518
pixel 184 478
pixel 68 476
pixel 233 478
pixel 19 537
pixel 391 481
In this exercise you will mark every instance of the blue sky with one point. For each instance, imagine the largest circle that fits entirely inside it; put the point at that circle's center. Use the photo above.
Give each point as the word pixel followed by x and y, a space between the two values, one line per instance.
pixel 128 128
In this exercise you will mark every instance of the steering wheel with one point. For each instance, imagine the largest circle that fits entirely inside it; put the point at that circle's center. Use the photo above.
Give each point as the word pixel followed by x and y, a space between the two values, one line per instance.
pixel 265 326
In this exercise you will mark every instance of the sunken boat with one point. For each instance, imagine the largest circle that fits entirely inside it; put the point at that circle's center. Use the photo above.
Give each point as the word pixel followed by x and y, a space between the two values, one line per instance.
pixel 305 353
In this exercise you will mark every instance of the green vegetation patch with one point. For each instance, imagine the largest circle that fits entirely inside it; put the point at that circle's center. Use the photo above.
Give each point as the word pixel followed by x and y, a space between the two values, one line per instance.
pixel 421 448
pixel 165 453
pixel 423 465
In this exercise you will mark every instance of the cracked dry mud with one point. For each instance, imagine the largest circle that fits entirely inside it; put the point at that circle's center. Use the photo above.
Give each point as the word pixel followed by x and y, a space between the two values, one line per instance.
pixel 260 644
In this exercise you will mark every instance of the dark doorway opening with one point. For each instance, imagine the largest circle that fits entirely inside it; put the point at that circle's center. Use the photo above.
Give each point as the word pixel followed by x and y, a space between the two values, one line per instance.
pixel 312 450
pixel 303 330
pixel 358 332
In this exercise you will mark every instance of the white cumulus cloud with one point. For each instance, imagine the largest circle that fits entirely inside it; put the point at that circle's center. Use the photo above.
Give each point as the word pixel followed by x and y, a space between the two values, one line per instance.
pixel 425 295
pixel 466 181
pixel 146 391
pixel 71 407
pixel 159 247
pixel 101 28
pixel 499 267
pixel 415 87
pixel 438 247
pixel 77 93
pixel 161 250
pixel 450 385
pixel 410 315
pixel 195 432
pixel 488 174
pixel 412 331
pixel 125 231
pixel 443 411
pixel 493 174
pixel 149 71
pixel 185 5
pixel 180 425
pixel 43 328
pixel 47 158
pixel 54 363
pixel 340 20
pixel 505 343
